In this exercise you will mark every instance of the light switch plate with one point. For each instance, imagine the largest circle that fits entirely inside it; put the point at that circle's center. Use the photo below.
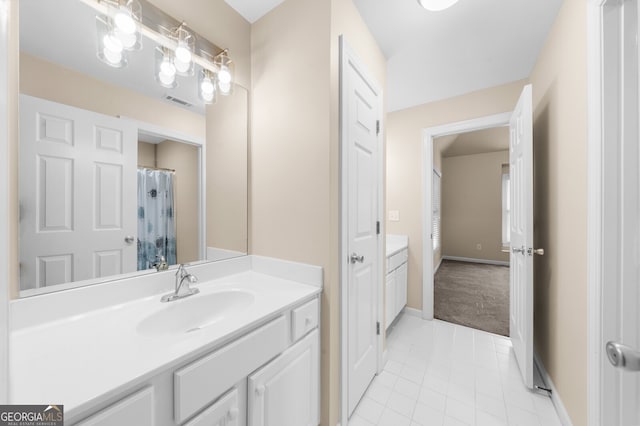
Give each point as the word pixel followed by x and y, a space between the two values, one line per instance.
pixel 394 215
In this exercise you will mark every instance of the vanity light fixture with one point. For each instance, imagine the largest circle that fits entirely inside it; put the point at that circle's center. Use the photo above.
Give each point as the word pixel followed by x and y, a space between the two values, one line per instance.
pixel 225 68
pixel 110 47
pixel 184 50
pixel 207 86
pixel 165 69
pixel 437 5
pixel 121 25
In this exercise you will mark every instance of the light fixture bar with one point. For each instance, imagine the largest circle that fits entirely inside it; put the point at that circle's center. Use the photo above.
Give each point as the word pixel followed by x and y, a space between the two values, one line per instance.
pixel 151 15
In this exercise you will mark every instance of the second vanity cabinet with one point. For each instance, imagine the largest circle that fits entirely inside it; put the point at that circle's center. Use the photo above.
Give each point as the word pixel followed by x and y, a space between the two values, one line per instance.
pixel 269 376
pixel 396 279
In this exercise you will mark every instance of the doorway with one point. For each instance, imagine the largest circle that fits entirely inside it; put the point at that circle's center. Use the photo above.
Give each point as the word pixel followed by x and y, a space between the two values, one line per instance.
pixel 471 217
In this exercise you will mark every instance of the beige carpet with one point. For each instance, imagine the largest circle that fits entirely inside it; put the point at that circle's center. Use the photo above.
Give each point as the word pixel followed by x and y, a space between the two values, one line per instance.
pixel 473 294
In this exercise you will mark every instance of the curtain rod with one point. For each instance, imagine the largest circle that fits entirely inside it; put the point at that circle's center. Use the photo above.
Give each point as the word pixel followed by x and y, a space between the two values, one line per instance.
pixel 157 168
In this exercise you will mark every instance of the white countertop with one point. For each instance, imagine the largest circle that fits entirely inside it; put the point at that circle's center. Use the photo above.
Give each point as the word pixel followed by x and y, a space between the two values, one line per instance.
pixel 82 359
pixel 395 243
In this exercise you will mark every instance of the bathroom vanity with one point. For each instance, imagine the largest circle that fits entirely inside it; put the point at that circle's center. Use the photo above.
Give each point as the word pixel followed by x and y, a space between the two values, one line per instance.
pixel 244 351
pixel 397 252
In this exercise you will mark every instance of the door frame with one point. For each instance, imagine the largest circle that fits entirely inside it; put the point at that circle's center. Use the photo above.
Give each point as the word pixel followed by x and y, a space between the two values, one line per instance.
pixel 348 54
pixel 5 196
pixel 599 72
pixel 428 135
pixel 200 143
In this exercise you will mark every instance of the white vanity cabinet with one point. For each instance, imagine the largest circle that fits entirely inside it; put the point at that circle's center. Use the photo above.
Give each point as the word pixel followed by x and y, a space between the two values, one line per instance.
pixel 396 279
pixel 269 375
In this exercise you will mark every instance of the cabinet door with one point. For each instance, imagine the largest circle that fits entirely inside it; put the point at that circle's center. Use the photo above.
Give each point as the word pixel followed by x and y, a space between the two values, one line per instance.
pixel 390 299
pixel 401 286
pixel 285 392
pixel 136 409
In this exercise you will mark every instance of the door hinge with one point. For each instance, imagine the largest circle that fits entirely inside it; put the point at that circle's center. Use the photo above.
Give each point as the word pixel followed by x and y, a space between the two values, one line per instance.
pixel 377 127
pixel 378 328
pixel 378 227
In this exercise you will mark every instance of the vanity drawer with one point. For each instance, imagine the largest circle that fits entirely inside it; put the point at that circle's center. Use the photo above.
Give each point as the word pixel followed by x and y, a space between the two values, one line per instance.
pixel 136 409
pixel 397 259
pixel 224 412
pixel 304 319
pixel 201 382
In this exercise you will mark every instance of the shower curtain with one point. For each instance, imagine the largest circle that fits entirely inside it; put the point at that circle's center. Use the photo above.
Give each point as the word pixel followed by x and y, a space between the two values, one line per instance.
pixel 156 218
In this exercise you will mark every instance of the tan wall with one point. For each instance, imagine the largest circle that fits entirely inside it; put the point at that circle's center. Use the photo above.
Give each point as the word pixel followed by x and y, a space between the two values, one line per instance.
pixel 291 176
pixel 183 158
pixel 295 149
pixel 227 172
pixel 146 154
pixel 560 198
pixel 404 162
pixel 472 205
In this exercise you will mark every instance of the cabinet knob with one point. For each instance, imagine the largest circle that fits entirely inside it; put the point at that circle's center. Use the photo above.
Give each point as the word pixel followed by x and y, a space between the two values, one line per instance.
pixel 233 413
pixel 260 390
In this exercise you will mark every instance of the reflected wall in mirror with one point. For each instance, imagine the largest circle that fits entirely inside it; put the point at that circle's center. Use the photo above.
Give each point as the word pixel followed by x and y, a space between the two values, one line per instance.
pixel 93 136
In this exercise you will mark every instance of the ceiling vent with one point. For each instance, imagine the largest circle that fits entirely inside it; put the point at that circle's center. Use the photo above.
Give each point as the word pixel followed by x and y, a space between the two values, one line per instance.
pixel 178 101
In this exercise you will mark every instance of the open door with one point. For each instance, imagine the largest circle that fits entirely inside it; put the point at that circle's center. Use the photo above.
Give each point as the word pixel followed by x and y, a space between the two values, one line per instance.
pixel 360 179
pixel 521 271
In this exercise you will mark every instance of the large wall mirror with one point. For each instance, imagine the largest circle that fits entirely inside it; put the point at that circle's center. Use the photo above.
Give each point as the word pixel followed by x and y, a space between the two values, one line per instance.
pixel 118 173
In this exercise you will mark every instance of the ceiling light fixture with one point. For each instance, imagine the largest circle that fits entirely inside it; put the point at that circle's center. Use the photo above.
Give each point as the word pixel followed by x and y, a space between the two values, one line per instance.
pixel 437 5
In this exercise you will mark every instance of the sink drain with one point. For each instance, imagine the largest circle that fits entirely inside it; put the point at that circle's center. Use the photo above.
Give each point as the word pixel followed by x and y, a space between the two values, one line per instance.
pixel 193 329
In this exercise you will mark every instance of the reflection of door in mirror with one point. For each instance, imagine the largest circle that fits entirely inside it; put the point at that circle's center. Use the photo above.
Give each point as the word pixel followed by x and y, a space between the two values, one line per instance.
pixel 77 212
pixel 80 207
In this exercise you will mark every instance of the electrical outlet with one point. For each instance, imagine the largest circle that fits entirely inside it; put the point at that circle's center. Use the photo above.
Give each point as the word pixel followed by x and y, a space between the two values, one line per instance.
pixel 394 215
pixel 478 246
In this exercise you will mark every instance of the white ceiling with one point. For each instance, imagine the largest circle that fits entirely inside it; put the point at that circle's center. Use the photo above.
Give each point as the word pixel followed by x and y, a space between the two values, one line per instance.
pixel 476 142
pixel 473 45
pixel 252 10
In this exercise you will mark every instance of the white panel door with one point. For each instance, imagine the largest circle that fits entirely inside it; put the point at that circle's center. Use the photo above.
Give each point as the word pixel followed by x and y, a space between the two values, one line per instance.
pixel 362 113
pixel 521 270
pixel 77 194
pixel 620 338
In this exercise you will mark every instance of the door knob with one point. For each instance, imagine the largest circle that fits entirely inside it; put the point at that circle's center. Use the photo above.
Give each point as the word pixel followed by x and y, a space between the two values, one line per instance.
pixel 623 357
pixel 129 239
pixel 355 258
pixel 517 250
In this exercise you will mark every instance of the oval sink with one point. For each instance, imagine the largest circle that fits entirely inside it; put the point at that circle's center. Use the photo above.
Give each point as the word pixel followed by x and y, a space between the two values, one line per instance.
pixel 194 312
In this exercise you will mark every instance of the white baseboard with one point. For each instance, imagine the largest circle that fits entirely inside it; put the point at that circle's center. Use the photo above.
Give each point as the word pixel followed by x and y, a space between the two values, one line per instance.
pixel 412 311
pixel 437 267
pixel 473 260
pixel 563 415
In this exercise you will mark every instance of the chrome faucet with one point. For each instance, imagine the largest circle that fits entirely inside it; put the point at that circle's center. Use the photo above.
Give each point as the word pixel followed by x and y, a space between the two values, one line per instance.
pixel 182 289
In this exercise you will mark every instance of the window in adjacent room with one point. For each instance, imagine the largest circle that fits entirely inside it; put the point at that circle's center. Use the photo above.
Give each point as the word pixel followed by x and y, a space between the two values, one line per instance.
pixel 506 206
pixel 436 201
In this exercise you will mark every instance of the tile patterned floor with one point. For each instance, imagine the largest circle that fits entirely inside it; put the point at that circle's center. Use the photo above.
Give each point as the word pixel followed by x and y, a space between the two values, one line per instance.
pixel 443 374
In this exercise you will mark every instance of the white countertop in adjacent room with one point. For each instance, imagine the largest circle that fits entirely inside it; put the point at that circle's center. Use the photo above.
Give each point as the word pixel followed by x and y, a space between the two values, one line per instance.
pixel 395 243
